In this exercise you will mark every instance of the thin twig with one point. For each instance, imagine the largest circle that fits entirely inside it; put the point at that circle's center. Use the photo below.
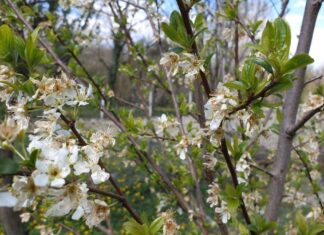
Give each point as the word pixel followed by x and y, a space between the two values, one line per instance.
pixel 309 176
pixel 299 124
pixel 313 80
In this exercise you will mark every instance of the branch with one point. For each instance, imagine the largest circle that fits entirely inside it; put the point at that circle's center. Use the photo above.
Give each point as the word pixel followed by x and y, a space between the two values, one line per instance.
pixel 309 176
pixel 232 171
pixel 299 124
pixel 82 142
pixel 283 8
pixel 186 19
pixel 313 80
pixel 261 94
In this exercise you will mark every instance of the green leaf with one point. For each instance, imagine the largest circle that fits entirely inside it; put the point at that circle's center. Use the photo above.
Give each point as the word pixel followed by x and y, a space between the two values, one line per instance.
pixel 282 38
pixel 282 85
pixel 301 223
pixel 156 225
pixel 267 39
pixel 170 32
pixel 6 44
pixel 199 21
pixel 33 157
pixel 263 63
pixel 237 85
pixel 298 61
pixel 134 228
pixel 316 229
pixel 33 55
pixel 8 165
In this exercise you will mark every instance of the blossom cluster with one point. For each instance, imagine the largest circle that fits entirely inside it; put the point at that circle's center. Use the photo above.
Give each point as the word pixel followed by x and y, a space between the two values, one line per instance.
pixel 215 201
pixel 189 63
pixel 59 155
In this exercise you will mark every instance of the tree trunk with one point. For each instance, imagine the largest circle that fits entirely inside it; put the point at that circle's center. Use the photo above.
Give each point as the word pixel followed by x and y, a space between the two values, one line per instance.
pixel 280 167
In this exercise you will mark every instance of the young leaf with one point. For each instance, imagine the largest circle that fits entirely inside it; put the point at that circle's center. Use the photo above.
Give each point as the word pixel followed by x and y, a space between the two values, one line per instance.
pixel 298 61
pixel 156 225
pixel 237 85
pixel 263 63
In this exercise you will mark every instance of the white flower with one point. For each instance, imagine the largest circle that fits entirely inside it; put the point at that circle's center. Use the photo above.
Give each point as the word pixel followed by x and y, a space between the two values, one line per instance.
pixel 102 139
pixel 192 66
pixel 67 199
pixel 9 130
pixel 17 111
pixel 243 168
pixel 182 147
pixel 210 161
pixel 25 217
pixel 170 226
pixel 213 194
pixel 98 175
pixel 171 61
pixel 52 170
pixel 89 159
pixel 223 210
pixel 94 212
pixel 25 190
pixel 82 96
pixel 218 106
pixel 162 124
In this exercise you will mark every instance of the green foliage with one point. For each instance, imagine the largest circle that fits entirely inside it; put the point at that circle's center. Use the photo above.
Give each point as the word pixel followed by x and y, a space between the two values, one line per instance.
pixel 8 165
pixel 176 30
pixel 14 51
pixel 308 228
pixel 260 225
pixel 134 228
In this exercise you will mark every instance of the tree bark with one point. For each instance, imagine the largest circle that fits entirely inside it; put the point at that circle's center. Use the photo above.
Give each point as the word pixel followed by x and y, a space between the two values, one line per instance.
pixel 280 167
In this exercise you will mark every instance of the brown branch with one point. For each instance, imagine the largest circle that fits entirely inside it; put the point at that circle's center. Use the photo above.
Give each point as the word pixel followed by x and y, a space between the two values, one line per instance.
pixel 313 80
pixel 251 99
pixel 283 8
pixel 108 194
pixel 82 142
pixel 232 171
pixel 309 176
pixel 184 10
pixel 299 124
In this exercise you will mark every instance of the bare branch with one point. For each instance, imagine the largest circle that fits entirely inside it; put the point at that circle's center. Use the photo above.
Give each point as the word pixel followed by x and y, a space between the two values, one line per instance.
pixel 313 80
pixel 299 124
pixel 232 171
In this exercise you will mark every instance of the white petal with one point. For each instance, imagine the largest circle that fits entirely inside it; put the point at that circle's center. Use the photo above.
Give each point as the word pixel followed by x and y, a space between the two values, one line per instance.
pixel 61 208
pixel 58 183
pixel 7 200
pixel 78 213
pixel 81 167
pixel 41 180
pixel 98 176
pixel 183 155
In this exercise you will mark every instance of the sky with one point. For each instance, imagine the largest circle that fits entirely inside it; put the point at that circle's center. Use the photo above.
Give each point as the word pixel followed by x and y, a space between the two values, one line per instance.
pixel 294 17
